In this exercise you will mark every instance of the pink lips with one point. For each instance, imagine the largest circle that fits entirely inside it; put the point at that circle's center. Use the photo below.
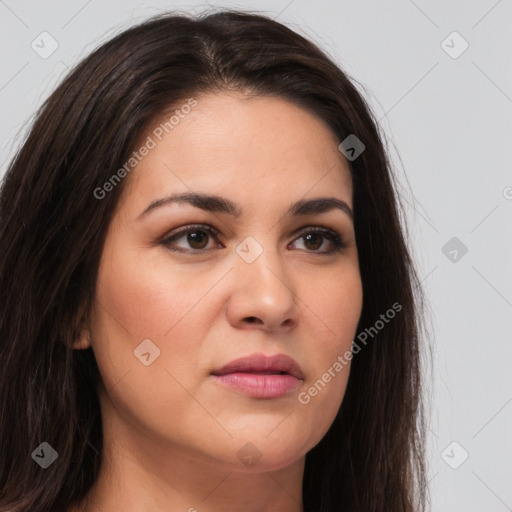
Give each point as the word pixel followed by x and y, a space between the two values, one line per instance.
pixel 261 376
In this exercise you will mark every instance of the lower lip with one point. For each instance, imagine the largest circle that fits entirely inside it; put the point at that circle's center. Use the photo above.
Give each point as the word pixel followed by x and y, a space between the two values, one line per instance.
pixel 260 385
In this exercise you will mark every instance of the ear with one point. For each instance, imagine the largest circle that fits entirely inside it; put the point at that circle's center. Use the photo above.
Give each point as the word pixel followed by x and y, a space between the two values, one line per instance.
pixel 83 339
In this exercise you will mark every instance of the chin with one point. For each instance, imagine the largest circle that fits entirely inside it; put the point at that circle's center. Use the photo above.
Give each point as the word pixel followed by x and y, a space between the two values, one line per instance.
pixel 263 455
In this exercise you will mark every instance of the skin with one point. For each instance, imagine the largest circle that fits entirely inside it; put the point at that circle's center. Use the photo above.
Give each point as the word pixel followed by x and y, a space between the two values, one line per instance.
pixel 171 432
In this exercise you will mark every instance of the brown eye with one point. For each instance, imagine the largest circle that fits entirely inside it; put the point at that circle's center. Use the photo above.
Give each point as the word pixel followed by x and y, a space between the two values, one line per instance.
pixel 314 238
pixel 195 238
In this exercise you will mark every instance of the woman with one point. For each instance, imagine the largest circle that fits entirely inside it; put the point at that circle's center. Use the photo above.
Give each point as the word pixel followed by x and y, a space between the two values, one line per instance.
pixel 208 301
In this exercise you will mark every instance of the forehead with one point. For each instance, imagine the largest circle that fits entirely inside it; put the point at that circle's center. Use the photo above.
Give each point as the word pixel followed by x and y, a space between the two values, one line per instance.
pixel 259 148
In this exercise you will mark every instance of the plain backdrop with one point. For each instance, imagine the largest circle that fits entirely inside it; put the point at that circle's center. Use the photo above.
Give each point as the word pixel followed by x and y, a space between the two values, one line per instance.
pixel 438 76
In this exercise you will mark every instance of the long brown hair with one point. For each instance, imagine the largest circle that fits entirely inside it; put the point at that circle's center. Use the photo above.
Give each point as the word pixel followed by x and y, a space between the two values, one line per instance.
pixel 52 229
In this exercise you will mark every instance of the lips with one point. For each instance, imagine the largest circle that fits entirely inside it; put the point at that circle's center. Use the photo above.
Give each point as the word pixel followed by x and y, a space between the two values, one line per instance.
pixel 261 376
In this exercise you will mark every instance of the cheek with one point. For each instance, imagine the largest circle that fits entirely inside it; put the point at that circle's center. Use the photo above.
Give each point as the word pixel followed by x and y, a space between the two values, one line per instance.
pixel 333 307
pixel 148 298
pixel 333 313
pixel 137 302
pixel 136 305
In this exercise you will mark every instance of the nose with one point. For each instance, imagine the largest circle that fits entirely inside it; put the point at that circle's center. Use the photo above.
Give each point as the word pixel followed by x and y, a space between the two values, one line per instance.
pixel 263 296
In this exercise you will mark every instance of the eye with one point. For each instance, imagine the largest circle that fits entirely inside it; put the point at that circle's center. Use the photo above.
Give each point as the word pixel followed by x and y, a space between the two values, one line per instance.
pixel 196 238
pixel 314 238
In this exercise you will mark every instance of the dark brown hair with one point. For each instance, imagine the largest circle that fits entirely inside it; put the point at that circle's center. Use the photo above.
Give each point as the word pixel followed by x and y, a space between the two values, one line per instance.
pixel 52 230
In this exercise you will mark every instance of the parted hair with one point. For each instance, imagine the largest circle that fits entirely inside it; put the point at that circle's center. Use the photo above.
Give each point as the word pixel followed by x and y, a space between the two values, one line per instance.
pixel 52 230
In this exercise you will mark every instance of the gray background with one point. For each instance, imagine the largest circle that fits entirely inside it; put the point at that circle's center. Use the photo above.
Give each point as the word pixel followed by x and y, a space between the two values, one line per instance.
pixel 449 119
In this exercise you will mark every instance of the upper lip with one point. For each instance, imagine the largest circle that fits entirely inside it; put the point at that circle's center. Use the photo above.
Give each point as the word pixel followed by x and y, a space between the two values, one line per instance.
pixel 257 363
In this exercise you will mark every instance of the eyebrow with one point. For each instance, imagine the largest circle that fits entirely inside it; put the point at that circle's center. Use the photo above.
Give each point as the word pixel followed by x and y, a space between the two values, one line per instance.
pixel 217 204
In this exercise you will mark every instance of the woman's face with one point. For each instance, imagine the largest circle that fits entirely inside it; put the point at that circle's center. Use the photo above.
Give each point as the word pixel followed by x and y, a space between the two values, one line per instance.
pixel 174 308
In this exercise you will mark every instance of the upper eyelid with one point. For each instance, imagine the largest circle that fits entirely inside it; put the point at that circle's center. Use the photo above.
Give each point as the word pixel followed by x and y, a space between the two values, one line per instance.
pixel 206 227
pixel 191 227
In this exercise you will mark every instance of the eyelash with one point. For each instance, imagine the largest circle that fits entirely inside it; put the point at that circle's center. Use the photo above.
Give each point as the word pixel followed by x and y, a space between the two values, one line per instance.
pixel 336 240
